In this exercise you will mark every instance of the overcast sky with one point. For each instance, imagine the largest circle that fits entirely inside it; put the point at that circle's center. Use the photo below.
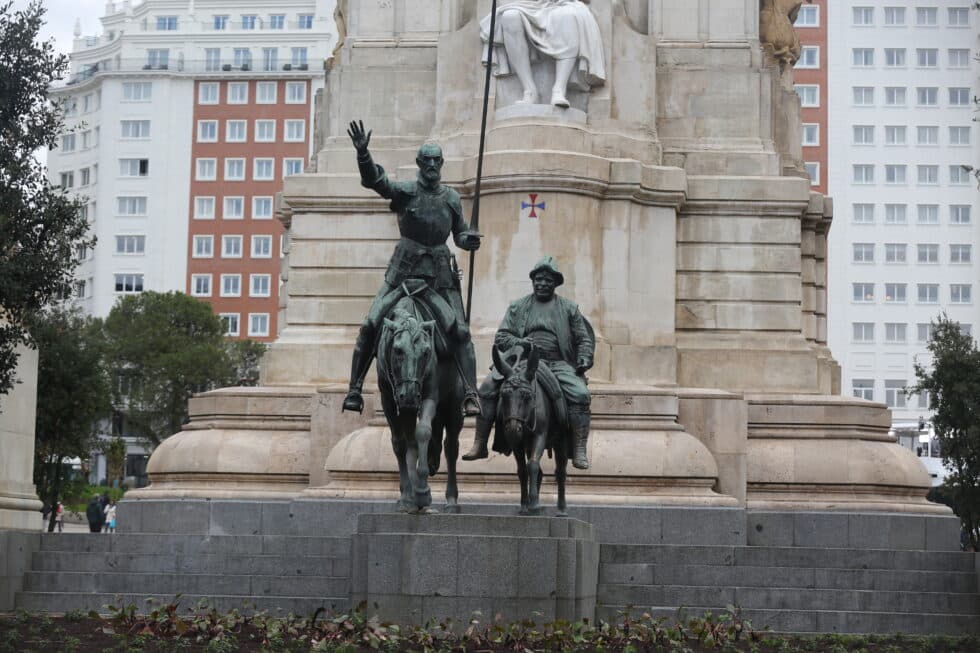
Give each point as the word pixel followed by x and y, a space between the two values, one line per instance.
pixel 60 19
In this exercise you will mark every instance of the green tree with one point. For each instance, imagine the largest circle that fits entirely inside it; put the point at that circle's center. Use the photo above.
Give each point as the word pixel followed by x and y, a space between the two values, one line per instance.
pixel 115 458
pixel 40 225
pixel 953 384
pixel 73 395
pixel 161 348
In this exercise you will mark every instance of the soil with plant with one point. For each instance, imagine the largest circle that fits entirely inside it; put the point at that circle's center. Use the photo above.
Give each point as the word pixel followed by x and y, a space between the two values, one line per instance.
pixel 172 628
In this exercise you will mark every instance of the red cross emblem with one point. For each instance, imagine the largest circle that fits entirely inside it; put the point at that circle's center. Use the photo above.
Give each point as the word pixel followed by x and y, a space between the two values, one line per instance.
pixel 534 205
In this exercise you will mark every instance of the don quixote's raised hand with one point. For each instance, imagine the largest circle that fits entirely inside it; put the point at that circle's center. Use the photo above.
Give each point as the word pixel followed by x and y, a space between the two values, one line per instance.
pixel 358 137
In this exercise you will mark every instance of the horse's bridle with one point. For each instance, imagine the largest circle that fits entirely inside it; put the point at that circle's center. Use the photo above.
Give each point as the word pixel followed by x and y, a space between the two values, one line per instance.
pixel 417 380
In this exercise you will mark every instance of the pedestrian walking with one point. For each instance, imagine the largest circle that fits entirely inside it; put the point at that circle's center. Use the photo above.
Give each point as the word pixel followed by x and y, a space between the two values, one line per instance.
pixel 94 514
pixel 110 517
pixel 59 516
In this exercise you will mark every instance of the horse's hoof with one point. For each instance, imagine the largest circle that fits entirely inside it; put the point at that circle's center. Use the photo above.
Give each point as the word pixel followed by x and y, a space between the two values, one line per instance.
pixel 534 512
pixel 562 513
pixel 523 512
pixel 427 510
pixel 452 509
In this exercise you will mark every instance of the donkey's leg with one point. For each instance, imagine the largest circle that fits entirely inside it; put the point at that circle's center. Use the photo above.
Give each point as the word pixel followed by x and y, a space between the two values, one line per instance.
pixel 537 446
pixel 522 477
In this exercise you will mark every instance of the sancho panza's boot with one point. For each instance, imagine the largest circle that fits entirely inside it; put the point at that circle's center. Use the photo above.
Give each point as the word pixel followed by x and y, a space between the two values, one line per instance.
pixel 579 419
pixel 360 363
pixel 484 424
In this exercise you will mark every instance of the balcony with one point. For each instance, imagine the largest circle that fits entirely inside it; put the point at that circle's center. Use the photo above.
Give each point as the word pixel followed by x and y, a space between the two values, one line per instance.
pixel 184 67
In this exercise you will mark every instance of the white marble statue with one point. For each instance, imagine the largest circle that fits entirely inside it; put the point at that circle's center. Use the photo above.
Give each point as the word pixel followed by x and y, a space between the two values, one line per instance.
pixel 564 30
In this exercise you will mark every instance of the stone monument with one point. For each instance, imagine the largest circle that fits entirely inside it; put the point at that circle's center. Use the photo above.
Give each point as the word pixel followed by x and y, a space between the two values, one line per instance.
pixel 674 194
pixel 19 505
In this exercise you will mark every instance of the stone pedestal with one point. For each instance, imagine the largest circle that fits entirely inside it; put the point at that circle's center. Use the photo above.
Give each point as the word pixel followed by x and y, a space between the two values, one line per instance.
pixel 411 569
pixel 19 506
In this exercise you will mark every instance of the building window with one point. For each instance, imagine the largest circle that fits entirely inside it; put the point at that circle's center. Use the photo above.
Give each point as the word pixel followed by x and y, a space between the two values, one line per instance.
pixel 234 208
pixel 895 96
pixel 864 174
pixel 863 253
pixel 809 16
pixel 960 293
pixel 305 21
pixel 895 393
pixel 277 21
pixel 157 58
pixel 959 135
pixel 864 213
pixel 927 135
pixel 924 332
pixel 220 22
pixel 927 253
pixel 895 252
pixel 86 139
pixel 207 93
pixel 166 23
pixel 231 323
pixel 862 292
pixel 265 131
pixel 237 92
pixel 85 177
pixel 298 56
pixel 137 91
pixel 927 96
pixel 896 332
pixel 895 293
pixel 234 169
pixel 959 97
pixel 231 285
pixel 863 332
pixel 131 206
pixel 966 329
pixel 248 21
pixel 959 175
pixel 810 134
pixel 258 324
pixel 205 169
pixel 129 283
pixel 243 58
pixel 927 293
pixel 212 59
pixel 235 131
pixel 960 254
pixel 201 285
pixel 260 285
pixel 207 131
pixel 959 214
pixel 231 247
pixel 958 16
pixel 863 389
pixel 203 246
pixel 130 244
pixel 863 57
pixel 809 57
pixel 896 135
pixel 270 59
pixel 926 57
pixel 959 57
pixel 295 92
pixel 809 94
pixel 295 131
pixel 926 16
pixel 295 167
pixel 135 128
pixel 261 246
pixel 261 208
pixel 895 16
pixel 265 92
pixel 928 213
pixel 896 173
pixel 263 170
pixel 864 135
pixel 863 16
pixel 864 96
pixel 895 57
pixel 928 175
pixel 80 289
pixel 134 167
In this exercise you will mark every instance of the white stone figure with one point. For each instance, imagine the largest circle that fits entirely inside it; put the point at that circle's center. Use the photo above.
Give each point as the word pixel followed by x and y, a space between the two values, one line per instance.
pixel 564 30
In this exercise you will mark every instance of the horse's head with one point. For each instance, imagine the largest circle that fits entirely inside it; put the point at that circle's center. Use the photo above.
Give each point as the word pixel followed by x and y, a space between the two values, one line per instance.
pixel 409 357
pixel 518 393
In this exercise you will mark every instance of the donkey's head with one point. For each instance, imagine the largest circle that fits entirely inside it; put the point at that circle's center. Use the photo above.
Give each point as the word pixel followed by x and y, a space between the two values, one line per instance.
pixel 518 393
pixel 409 358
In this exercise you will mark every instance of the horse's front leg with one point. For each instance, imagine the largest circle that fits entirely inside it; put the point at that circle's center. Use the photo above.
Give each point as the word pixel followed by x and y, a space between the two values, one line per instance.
pixel 406 502
pixel 453 427
pixel 423 435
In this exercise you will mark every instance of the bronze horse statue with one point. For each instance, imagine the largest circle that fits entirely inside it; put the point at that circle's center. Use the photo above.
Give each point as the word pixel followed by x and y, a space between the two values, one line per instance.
pixel 421 394
pixel 528 421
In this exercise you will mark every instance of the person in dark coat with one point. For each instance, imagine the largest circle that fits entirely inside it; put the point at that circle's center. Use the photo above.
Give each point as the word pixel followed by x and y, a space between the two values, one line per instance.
pixel 95 515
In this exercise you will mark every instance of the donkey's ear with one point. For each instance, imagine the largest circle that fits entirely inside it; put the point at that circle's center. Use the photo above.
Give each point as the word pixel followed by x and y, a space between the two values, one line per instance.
pixel 390 324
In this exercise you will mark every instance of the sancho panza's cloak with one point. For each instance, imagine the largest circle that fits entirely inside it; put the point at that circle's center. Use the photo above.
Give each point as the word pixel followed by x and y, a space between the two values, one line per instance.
pixel 561 29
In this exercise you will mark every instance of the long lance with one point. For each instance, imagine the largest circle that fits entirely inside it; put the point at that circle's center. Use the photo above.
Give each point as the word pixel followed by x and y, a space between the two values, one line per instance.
pixel 475 222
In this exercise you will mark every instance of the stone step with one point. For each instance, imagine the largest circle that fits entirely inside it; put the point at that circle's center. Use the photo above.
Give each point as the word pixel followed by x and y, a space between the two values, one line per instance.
pixel 820 621
pixel 792 598
pixel 816 578
pixel 283 545
pixel 757 556
pixel 241 564
pixel 173 584
pixel 473 525
pixel 61 602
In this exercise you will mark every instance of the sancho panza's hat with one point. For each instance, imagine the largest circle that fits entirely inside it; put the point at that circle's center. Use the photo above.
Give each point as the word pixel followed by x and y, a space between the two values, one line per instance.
pixel 548 264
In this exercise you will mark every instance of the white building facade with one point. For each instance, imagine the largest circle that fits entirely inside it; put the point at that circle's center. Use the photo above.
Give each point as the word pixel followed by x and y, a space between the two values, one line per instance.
pixel 903 247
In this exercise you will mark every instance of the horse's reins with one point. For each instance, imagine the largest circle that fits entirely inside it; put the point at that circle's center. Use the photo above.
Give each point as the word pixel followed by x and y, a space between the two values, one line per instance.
pixel 423 363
